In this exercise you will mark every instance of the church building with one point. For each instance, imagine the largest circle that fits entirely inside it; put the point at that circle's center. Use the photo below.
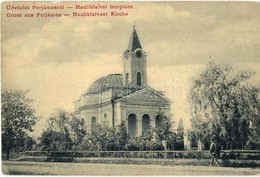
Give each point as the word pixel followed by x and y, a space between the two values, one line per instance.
pixel 126 97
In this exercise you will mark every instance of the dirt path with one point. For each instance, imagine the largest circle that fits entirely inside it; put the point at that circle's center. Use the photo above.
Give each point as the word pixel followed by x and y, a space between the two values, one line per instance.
pixel 41 168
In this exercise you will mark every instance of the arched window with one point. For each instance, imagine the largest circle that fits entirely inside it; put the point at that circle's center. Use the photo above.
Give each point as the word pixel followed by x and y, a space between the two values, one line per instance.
pixel 127 78
pixel 139 79
pixel 105 120
pixel 145 123
pixel 132 125
pixel 93 122
pixel 158 121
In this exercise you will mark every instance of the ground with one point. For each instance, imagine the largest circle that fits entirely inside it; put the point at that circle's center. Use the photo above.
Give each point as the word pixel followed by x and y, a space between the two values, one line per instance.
pixel 47 168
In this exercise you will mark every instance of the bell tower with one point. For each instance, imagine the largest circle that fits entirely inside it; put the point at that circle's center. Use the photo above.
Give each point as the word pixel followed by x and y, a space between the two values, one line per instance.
pixel 134 60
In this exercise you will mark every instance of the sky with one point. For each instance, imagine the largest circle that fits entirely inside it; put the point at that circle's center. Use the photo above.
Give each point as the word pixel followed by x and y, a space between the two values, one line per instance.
pixel 57 59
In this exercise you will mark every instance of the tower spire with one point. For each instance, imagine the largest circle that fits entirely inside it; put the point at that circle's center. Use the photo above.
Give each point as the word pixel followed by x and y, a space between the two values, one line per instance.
pixel 134 41
pixel 134 59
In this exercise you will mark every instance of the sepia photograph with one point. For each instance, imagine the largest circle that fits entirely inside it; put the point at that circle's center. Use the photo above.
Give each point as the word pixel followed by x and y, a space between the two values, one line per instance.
pixel 142 88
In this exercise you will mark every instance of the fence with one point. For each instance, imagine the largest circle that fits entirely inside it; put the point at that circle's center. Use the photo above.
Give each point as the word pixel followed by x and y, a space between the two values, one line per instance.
pixel 241 154
pixel 121 154
pixel 228 154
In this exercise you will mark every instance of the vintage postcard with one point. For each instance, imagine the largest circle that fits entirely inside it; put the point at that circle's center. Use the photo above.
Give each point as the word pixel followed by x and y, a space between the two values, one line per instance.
pixel 130 88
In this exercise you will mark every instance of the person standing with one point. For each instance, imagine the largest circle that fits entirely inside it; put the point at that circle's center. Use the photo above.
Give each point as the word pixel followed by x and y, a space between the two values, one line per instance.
pixel 213 152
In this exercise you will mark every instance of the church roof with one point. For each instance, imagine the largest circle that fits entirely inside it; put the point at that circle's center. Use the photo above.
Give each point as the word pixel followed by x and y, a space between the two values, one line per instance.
pixel 146 94
pixel 134 42
pixel 105 83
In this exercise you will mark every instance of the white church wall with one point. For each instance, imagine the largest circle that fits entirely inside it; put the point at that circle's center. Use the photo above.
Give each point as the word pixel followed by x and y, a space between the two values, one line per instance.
pixel 118 119
pixel 89 99
pixel 106 115
pixel 140 111
pixel 106 96
pixel 87 116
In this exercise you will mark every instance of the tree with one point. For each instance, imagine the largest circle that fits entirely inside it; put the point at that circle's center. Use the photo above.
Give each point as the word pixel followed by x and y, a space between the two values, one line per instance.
pixel 64 132
pixel 18 118
pixel 51 140
pixel 104 138
pixel 254 138
pixel 164 131
pixel 143 142
pixel 24 143
pixel 180 136
pixel 78 129
pixel 121 135
pixel 223 103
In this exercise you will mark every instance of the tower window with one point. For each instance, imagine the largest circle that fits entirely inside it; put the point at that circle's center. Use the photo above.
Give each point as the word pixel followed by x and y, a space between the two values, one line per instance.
pixel 139 79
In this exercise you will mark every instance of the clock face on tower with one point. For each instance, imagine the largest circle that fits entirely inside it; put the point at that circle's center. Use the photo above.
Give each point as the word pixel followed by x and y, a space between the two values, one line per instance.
pixel 138 53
